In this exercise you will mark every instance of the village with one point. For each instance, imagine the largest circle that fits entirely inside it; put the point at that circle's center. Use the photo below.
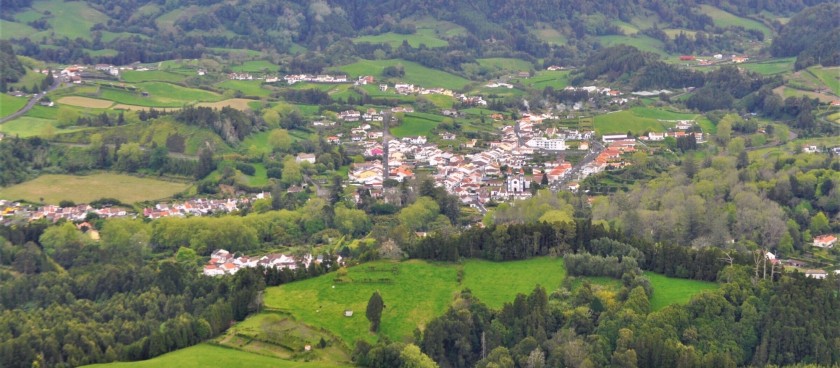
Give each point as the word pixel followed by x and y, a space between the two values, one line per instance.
pixel 223 262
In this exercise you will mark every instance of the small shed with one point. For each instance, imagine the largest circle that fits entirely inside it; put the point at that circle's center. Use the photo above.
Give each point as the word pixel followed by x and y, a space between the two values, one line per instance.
pixel 348 313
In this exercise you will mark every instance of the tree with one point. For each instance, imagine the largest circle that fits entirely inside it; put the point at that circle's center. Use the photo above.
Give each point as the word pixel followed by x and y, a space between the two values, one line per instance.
pixel 374 311
pixel 272 118
pixel 280 140
pixel 819 224
pixel 291 171
pixel 205 163
pixel 412 357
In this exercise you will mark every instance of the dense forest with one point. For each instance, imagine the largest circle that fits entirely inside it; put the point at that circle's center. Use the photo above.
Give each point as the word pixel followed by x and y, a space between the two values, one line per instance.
pixel 493 28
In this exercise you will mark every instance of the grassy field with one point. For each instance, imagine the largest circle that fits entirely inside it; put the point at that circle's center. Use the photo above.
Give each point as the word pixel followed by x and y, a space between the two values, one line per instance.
pixel 828 76
pixel 26 126
pixel 14 29
pixel 79 101
pixel 206 355
pixel 550 35
pixel 639 120
pixel 160 94
pixel 508 64
pixel 425 36
pixel 414 73
pixel 132 76
pixel 83 189
pixel 725 19
pixel 498 283
pixel 68 19
pixel 236 103
pixel 643 43
pixel 771 67
pixel 544 78
pixel 667 290
pixel 415 124
pixel 248 88
pixel 42 112
pixel 10 104
pixel 255 66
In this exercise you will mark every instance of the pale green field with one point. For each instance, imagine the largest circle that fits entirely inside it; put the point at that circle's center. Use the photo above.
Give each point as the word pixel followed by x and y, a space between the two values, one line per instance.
pixel 726 19
pixel 414 73
pixel 84 189
pixel 26 126
pixel 424 36
pixel 206 355
pixel 11 104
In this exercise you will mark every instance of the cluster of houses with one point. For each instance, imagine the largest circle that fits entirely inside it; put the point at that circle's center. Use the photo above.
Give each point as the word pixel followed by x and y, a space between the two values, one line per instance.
pixel 12 211
pixel 200 206
pixel 223 262
pixel 310 78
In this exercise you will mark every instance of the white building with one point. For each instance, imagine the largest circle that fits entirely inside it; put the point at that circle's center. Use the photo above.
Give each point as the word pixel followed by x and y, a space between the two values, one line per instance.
pixel 555 144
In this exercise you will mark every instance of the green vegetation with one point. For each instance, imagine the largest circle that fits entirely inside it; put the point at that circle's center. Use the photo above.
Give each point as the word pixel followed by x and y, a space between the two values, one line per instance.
pixel 641 119
pixel 132 76
pixel 828 76
pixel 497 283
pixel 14 29
pixel 255 66
pixel 670 290
pixel 26 127
pixel 84 189
pixel 160 94
pixel 248 88
pixel 416 124
pixel 423 36
pixel 414 73
pixel 771 67
pixel 207 355
pixel 508 64
pixel 10 104
pixel 725 19
pixel 71 19
pixel 640 42
pixel 544 78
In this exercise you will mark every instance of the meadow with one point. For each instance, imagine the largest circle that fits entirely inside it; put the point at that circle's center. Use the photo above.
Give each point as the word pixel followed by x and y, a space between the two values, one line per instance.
pixel 507 64
pixel 160 94
pixel 544 78
pixel 668 290
pixel 416 124
pixel 84 189
pixel 26 126
pixel 643 43
pixel 725 19
pixel 10 104
pixel 80 101
pixel 132 76
pixel 248 88
pixel 424 36
pixel 255 66
pixel 828 76
pixel 207 355
pixel 771 67
pixel 641 119
pixel 420 291
pixel 414 73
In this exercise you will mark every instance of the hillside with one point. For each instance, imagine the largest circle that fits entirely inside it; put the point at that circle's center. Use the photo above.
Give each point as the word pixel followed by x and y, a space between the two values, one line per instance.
pixel 560 32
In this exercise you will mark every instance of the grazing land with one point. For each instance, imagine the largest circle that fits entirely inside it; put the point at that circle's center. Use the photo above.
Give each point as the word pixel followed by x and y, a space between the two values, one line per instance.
pixel 255 66
pixel 496 283
pixel 26 127
pixel 725 19
pixel 771 67
pixel 416 124
pixel 544 78
pixel 132 76
pixel 84 189
pixel 828 76
pixel 424 36
pixel 11 104
pixel 207 355
pixel 414 73
pixel 248 88
pixel 668 290
pixel 641 119
pixel 505 64
pixel 79 101
pixel 236 103
pixel 643 43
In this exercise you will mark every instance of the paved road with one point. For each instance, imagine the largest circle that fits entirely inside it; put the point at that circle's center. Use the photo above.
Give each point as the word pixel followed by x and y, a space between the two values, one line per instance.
pixel 32 101
pixel 594 151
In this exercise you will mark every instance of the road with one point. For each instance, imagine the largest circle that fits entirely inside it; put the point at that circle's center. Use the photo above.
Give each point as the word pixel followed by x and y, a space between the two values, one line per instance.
pixel 594 151
pixel 32 101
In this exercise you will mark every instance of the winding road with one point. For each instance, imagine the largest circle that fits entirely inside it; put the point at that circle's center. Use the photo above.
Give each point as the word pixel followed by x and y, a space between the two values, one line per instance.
pixel 32 101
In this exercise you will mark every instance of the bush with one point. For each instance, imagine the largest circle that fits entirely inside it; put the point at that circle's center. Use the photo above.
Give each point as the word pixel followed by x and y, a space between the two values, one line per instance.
pixel 246 169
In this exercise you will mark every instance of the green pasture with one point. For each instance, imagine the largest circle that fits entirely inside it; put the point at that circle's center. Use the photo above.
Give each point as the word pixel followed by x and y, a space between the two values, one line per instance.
pixel 555 79
pixel 725 19
pixel 83 189
pixel 133 76
pixel 670 290
pixel 255 66
pixel 497 283
pixel 640 42
pixel 770 67
pixel 508 64
pixel 416 124
pixel 828 76
pixel 11 104
pixel 207 355
pixel 422 36
pixel 248 88
pixel 642 119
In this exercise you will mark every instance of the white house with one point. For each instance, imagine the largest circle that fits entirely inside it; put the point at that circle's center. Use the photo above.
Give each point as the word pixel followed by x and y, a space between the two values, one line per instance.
pixel 825 241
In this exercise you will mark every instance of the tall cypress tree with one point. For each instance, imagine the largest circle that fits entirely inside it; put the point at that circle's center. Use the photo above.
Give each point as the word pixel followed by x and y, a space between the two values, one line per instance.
pixel 374 311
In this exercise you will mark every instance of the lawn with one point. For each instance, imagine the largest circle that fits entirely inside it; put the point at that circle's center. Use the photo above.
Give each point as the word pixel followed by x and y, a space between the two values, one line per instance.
pixel 667 290
pixel 43 112
pixel 550 35
pixel 496 283
pixel 414 73
pixel 83 189
pixel 14 30
pixel 132 76
pixel 207 355
pixel 641 119
pixel 771 67
pixel 236 103
pixel 260 177
pixel 416 124
pixel 79 101
pixel 26 127
pixel 725 19
pixel 248 88
pixel 422 36
pixel 11 104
